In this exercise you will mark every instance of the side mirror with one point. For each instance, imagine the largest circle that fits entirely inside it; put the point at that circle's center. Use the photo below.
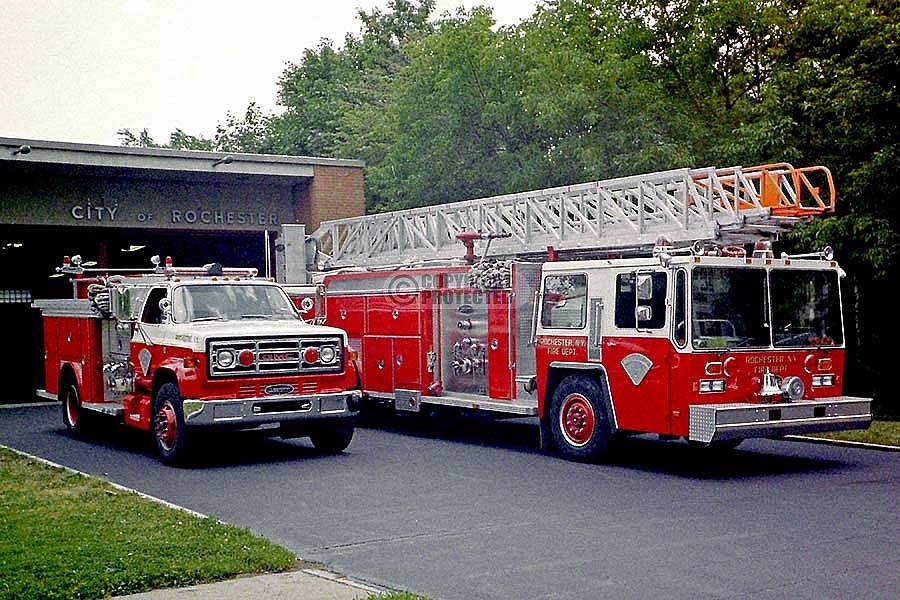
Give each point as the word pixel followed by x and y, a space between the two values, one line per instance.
pixel 644 286
pixel 165 307
pixel 123 303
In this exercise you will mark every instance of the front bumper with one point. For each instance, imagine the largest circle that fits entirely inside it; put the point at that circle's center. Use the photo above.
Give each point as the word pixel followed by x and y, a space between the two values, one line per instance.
pixel 252 412
pixel 714 422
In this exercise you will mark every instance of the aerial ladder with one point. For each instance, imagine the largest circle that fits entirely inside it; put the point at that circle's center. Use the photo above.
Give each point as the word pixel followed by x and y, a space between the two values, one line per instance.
pixel 734 205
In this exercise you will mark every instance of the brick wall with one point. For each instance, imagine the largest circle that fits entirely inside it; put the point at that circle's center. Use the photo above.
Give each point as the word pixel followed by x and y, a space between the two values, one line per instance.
pixel 335 193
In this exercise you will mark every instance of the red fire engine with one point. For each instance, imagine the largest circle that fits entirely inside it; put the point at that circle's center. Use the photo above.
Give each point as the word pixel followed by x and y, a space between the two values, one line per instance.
pixel 647 304
pixel 172 349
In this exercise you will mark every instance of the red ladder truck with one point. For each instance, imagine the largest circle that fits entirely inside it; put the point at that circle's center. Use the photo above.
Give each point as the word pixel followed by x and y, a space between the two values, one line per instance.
pixel 648 304
pixel 170 350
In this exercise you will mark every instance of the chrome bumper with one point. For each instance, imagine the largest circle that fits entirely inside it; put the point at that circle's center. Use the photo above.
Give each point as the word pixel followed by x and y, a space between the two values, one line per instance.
pixel 713 422
pixel 271 409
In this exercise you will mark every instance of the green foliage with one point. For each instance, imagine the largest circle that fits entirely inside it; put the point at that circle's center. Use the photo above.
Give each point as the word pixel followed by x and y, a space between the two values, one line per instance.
pixel 334 98
pixel 136 140
pixel 834 86
pixel 595 91
pixel 180 140
pixel 252 134
pixel 446 111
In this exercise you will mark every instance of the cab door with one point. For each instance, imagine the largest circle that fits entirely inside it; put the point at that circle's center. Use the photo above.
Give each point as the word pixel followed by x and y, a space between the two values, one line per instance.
pixel 636 351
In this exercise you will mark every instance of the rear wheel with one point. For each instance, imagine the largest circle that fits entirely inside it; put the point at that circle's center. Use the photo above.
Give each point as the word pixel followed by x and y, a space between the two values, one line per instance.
pixel 74 415
pixel 168 424
pixel 333 437
pixel 579 424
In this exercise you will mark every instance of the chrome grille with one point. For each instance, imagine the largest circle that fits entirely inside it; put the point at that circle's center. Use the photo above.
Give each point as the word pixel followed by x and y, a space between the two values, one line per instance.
pixel 271 356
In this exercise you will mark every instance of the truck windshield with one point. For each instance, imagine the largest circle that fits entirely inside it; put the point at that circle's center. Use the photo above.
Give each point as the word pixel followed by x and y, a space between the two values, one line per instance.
pixel 730 308
pixel 218 302
pixel 806 308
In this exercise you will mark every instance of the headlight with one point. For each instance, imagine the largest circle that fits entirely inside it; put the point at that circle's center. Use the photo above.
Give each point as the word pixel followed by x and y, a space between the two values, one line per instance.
pixel 327 354
pixel 712 385
pixel 822 380
pixel 225 359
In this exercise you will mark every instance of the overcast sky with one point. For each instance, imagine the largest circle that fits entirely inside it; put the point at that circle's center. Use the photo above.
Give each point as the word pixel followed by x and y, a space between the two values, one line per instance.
pixel 80 70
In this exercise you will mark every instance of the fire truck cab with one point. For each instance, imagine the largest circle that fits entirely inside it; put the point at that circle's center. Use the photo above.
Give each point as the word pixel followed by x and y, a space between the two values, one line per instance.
pixel 712 346
pixel 172 350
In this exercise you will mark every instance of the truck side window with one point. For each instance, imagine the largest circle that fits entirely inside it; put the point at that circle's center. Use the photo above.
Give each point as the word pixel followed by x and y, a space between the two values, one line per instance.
pixel 152 312
pixel 626 301
pixel 564 301
pixel 680 329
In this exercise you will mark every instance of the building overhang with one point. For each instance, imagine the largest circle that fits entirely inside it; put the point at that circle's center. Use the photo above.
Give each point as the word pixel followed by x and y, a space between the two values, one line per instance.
pixel 25 155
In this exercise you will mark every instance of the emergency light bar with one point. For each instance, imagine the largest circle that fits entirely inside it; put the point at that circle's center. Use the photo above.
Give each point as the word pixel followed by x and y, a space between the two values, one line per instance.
pixel 208 270
pixel 75 265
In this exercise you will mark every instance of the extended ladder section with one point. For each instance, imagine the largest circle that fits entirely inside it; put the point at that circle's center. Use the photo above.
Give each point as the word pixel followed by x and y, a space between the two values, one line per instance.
pixel 731 205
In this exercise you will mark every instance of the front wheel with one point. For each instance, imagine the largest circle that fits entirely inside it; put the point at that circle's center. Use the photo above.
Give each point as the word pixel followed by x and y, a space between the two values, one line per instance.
pixel 168 424
pixel 333 437
pixel 578 421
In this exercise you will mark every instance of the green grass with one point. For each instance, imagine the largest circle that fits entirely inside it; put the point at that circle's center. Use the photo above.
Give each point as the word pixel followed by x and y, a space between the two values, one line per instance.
pixel 885 433
pixel 65 535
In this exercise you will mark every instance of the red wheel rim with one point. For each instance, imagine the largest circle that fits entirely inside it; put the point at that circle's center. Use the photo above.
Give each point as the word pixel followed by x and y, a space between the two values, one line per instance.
pixel 72 407
pixel 166 426
pixel 577 420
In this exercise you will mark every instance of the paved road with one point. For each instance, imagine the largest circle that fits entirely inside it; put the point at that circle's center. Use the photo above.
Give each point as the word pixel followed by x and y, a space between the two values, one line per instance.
pixel 472 510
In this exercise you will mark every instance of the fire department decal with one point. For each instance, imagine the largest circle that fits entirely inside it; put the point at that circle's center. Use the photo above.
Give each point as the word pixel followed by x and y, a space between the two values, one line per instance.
pixel 636 366
pixel 144 358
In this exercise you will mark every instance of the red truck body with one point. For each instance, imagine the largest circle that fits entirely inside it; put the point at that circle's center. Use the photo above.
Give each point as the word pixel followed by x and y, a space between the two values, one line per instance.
pixel 587 365
pixel 174 350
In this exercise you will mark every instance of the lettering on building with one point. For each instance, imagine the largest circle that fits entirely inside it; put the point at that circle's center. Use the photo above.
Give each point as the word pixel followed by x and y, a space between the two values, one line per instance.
pixel 101 213
pixel 92 212
pixel 222 217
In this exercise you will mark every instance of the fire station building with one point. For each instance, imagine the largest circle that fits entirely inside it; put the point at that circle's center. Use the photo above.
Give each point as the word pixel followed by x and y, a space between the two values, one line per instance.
pixel 119 206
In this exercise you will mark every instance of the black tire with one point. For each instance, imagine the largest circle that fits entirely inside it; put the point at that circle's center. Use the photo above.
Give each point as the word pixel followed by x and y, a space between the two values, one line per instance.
pixel 579 424
pixel 717 446
pixel 333 436
pixel 75 417
pixel 168 425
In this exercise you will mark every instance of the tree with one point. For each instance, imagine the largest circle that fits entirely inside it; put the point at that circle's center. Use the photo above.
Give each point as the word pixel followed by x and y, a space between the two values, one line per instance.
pixel 179 140
pixel 140 140
pixel 333 97
pixel 252 134
pixel 447 117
